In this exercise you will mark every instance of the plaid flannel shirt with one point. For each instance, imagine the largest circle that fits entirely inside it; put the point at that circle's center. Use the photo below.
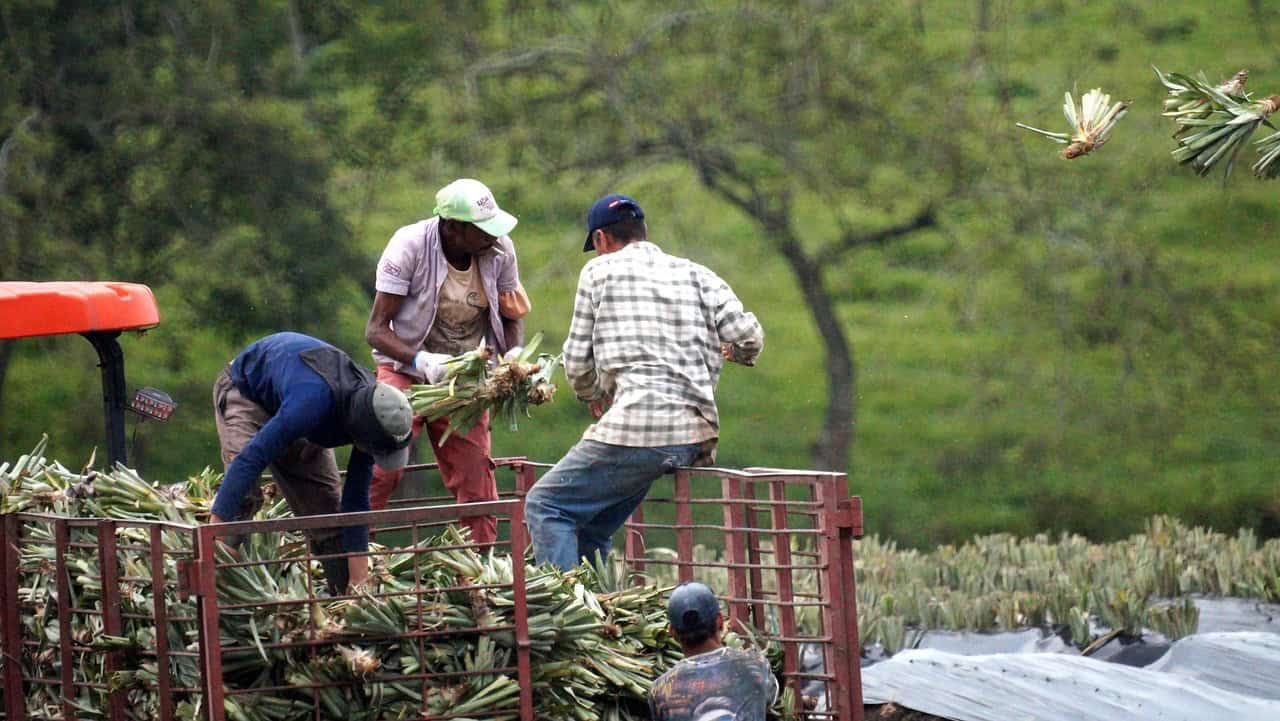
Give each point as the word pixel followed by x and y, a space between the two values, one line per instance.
pixel 646 337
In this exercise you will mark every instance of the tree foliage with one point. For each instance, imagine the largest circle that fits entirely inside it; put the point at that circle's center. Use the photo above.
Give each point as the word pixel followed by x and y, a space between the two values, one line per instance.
pixel 148 142
pixel 1039 345
pixel 790 112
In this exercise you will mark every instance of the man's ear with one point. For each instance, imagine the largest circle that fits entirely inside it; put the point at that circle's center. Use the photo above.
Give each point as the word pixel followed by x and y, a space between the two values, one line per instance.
pixel 720 623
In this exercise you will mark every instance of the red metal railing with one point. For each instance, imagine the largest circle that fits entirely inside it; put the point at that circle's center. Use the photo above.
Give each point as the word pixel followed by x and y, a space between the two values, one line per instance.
pixel 785 573
pixel 45 644
pixel 418 522
pixel 412 519
pixel 775 527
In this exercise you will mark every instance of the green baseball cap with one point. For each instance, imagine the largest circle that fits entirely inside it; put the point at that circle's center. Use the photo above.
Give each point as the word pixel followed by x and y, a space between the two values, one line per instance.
pixel 471 201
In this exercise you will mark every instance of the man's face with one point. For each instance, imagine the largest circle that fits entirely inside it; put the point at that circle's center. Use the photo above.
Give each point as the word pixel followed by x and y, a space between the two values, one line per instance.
pixel 476 241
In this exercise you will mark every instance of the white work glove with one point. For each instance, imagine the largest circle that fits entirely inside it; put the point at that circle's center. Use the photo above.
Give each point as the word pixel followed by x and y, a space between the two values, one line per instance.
pixel 430 365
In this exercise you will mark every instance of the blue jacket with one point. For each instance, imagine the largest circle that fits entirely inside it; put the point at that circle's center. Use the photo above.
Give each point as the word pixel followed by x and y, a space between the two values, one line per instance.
pixel 273 374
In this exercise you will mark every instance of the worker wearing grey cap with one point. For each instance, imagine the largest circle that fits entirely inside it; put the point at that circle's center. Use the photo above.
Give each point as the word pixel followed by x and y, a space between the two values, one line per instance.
pixel 713 682
pixel 287 401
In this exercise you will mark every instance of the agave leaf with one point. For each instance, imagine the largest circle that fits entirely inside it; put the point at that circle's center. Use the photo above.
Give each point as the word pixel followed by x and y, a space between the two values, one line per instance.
pixel 1069 110
pixel 1269 150
pixel 1059 137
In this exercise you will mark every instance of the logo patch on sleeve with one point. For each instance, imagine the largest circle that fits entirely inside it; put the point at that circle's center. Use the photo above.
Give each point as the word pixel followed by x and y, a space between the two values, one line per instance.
pixel 391 268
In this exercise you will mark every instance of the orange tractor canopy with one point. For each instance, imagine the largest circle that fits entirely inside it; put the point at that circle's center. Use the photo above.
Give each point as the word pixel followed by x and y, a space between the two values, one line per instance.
pixel 99 312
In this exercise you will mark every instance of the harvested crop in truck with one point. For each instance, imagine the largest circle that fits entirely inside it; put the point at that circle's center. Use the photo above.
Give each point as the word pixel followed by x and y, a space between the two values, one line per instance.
pixel 433 633
pixel 472 385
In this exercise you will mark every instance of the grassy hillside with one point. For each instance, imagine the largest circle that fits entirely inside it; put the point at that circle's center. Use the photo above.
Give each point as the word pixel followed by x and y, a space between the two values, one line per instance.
pixel 1077 346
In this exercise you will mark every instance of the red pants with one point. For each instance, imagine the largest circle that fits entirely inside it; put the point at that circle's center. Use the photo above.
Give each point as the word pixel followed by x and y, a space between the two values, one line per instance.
pixel 465 465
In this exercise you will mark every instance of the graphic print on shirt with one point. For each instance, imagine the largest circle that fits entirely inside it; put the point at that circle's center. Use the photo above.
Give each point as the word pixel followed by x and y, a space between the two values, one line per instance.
pixel 461 313
pixel 727 684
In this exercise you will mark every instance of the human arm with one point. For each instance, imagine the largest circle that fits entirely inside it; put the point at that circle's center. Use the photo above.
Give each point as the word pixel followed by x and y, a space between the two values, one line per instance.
pixel 379 335
pixel 296 417
pixel 770 685
pixel 740 333
pixel 657 710
pixel 393 283
pixel 579 356
pixel 513 301
pixel 512 333
pixel 355 499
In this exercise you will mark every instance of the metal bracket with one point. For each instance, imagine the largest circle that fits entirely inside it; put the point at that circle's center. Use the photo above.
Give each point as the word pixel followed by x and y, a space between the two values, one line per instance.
pixel 188 579
pixel 849 515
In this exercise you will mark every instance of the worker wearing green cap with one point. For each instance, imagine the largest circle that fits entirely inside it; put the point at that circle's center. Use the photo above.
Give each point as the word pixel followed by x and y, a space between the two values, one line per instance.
pixel 445 284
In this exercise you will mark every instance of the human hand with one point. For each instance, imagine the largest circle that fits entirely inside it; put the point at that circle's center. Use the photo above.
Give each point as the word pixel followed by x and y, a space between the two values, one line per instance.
pixel 358 574
pixel 430 365
pixel 730 353
pixel 598 407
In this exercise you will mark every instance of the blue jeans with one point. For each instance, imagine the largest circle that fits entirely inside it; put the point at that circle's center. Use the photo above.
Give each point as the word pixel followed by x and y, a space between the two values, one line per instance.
pixel 574 509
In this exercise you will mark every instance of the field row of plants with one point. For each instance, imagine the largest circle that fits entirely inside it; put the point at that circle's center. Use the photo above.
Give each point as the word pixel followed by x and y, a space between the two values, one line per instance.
pixel 999 582
pixel 1069 585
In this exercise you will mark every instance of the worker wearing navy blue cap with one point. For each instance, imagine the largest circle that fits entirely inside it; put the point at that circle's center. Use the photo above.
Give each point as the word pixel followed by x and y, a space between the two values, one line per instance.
pixel 713 682
pixel 649 335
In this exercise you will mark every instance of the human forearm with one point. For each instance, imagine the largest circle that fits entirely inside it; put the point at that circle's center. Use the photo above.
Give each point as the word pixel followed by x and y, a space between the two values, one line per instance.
pixel 240 478
pixel 586 385
pixel 579 352
pixel 355 499
pixel 740 332
pixel 514 304
pixel 580 370
pixel 385 341
pixel 378 333
pixel 295 418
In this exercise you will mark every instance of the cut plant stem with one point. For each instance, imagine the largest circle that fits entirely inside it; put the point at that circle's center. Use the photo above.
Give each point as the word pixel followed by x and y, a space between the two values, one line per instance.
pixel 1091 123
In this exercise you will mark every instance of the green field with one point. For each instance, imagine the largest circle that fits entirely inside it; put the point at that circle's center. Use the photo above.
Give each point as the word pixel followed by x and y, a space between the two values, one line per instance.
pixel 1075 346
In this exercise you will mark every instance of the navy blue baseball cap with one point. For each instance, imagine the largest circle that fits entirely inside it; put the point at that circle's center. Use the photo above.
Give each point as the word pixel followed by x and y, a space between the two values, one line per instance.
pixel 692 607
pixel 612 208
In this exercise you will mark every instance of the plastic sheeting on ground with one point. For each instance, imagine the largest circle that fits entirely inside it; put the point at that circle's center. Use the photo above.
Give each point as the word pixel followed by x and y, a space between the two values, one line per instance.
pixel 1246 662
pixel 969 643
pixel 1050 687
pixel 1237 614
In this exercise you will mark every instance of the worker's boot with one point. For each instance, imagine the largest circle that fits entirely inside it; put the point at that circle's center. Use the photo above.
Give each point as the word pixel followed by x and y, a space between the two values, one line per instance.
pixel 337 574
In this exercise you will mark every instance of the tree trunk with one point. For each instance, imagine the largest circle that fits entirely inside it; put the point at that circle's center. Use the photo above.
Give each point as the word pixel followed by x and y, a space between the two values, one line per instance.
pixel 832 447
pixel 1259 17
pixel 297 40
pixel 835 437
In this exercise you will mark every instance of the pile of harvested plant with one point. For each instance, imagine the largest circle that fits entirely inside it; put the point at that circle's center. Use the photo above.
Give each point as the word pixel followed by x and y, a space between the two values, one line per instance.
pixel 597 642
pixel 473 384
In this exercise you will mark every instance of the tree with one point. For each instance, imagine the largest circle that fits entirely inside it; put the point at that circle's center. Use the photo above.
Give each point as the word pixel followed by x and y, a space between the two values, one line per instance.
pixel 137 147
pixel 801 115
